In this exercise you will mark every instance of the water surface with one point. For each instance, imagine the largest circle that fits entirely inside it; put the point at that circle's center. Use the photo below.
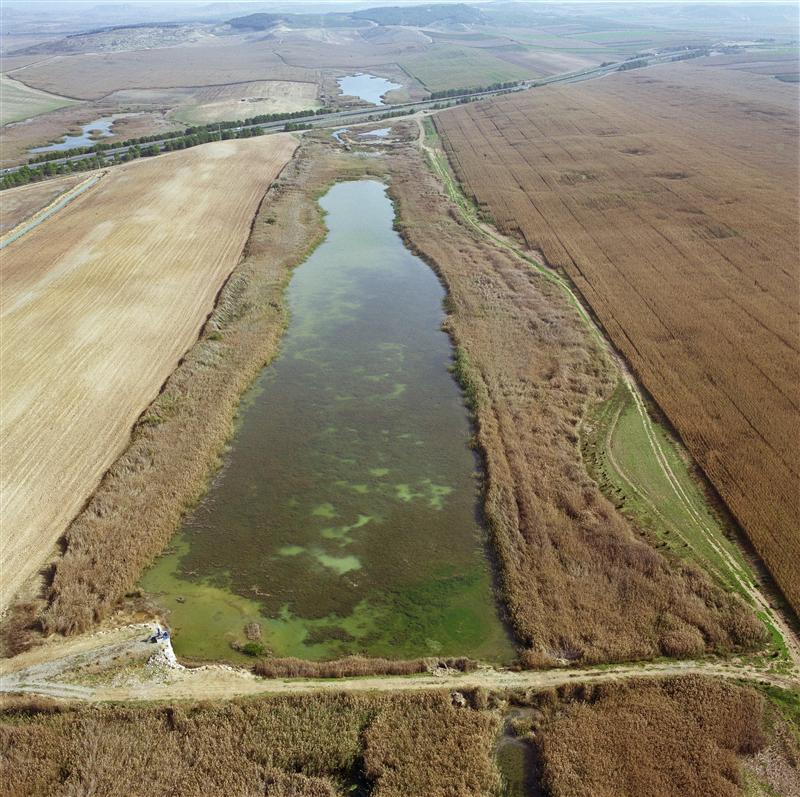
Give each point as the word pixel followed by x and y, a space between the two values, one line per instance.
pixel 344 519
pixel 369 88
pixel 85 139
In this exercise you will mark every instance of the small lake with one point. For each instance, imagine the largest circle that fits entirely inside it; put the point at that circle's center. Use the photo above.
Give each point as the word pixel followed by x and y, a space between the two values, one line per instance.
pixel 344 519
pixel 85 139
pixel 369 88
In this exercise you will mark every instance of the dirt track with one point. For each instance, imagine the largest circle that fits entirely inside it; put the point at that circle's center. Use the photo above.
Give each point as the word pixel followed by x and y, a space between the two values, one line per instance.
pixel 99 303
pixel 55 670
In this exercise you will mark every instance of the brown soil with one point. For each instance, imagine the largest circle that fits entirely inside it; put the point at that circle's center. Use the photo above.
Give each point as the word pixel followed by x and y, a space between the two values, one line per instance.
pixel 210 62
pixel 20 204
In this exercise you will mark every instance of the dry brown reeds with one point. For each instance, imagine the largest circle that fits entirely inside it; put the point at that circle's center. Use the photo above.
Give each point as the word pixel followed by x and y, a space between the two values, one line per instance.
pixel 305 746
pixel 577 580
pixel 670 198
pixel 676 736
pixel 355 666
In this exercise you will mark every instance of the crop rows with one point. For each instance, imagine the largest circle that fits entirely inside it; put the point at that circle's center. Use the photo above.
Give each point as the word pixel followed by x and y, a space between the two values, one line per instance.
pixel 683 239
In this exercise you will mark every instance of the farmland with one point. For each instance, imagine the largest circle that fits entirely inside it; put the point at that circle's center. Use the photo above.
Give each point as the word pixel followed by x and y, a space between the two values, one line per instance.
pixel 116 305
pixel 22 102
pixel 21 204
pixel 530 509
pixel 447 67
pixel 420 451
pixel 681 238
pixel 240 101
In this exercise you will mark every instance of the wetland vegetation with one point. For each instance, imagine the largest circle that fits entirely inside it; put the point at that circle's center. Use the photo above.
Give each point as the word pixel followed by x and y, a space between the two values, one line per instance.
pixel 344 519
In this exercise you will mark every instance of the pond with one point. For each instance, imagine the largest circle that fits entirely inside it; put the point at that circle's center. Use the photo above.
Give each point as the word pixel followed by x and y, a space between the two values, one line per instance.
pixel 344 519
pixel 382 132
pixel 87 137
pixel 369 88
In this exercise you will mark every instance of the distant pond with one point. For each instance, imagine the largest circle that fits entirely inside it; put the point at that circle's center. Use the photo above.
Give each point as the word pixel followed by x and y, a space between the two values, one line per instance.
pixel 369 88
pixel 87 137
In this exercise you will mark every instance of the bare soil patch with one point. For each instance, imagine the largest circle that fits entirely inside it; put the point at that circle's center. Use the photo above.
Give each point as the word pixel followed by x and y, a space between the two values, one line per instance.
pixel 215 62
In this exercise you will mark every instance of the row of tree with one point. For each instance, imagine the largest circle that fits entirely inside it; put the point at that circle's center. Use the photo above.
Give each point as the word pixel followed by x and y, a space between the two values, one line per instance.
pixel 98 160
pixel 438 95
pixel 213 127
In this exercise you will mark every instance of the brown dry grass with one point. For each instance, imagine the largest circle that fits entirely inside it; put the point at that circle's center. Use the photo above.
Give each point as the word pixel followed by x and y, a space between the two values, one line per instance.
pixel 348 667
pixel 576 580
pixel 17 139
pixel 670 198
pixel 309 746
pixel 99 303
pixel 651 739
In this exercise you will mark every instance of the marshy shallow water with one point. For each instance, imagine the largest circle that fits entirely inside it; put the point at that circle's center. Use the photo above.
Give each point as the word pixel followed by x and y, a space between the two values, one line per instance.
pixel 344 518
pixel 91 133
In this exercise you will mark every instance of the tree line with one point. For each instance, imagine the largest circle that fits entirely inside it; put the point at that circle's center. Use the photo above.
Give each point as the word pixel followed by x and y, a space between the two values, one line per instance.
pixel 437 95
pixel 212 127
pixel 98 160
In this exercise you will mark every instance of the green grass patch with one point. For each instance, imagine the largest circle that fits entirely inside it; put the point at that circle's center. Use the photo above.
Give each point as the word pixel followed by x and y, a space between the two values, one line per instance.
pixel 448 67
pixel 620 456
pixel 20 102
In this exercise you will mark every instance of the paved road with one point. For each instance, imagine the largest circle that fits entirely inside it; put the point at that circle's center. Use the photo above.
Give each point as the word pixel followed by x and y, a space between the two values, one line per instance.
pixel 367 114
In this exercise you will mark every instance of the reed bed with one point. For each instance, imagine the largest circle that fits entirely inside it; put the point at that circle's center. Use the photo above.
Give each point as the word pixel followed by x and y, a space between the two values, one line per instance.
pixel 670 199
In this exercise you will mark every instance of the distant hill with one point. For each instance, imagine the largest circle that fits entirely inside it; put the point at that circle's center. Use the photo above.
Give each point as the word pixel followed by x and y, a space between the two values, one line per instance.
pixel 416 16
pixel 267 21
pixel 422 15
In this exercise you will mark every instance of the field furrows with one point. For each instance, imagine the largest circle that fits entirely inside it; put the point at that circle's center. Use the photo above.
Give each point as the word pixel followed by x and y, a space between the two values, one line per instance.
pixel 99 304
pixel 684 250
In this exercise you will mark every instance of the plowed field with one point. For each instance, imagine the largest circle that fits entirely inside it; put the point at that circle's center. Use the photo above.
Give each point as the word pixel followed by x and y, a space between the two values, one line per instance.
pixel 99 303
pixel 670 198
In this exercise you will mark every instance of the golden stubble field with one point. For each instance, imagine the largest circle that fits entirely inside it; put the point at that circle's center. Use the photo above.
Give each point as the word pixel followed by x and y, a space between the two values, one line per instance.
pixel 99 304
pixel 670 198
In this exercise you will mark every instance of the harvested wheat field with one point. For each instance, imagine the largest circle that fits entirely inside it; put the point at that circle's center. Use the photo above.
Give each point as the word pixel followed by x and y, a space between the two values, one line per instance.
pixel 19 205
pixel 99 304
pixel 680 230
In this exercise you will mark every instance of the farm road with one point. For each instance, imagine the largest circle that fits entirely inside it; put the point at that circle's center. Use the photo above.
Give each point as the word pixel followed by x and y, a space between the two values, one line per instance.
pixel 84 669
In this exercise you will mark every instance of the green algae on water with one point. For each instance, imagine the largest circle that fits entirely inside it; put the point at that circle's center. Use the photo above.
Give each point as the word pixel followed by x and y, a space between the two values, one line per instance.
pixel 344 518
